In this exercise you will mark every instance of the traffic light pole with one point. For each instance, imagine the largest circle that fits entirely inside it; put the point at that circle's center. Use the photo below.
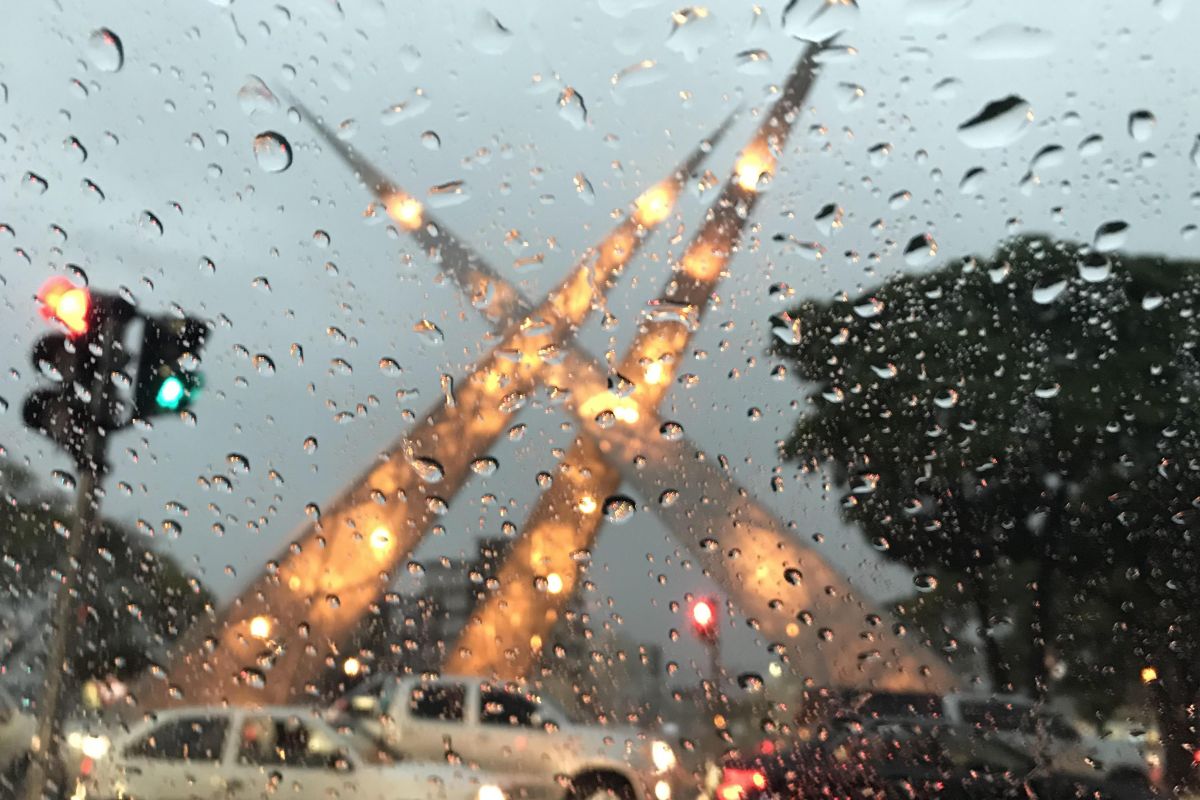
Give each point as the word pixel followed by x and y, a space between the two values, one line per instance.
pixel 90 468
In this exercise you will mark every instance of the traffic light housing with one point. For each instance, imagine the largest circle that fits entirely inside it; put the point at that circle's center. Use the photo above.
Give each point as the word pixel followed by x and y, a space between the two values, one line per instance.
pixel 80 361
pixel 166 378
pixel 703 614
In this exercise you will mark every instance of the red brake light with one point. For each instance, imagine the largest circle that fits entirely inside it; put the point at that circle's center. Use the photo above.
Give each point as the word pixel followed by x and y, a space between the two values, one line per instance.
pixel 86 766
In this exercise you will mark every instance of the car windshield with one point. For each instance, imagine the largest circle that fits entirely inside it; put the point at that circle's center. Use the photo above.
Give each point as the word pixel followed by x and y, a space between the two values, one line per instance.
pixel 597 392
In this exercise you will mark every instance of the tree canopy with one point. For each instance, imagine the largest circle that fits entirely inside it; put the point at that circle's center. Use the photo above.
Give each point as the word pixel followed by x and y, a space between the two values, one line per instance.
pixel 1025 423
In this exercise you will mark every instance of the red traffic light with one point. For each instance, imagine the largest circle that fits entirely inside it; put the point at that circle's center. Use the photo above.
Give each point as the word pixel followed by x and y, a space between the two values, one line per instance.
pixel 64 301
pixel 704 618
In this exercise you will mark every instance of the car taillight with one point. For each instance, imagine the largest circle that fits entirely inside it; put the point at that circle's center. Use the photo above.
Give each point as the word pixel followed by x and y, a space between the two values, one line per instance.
pixel 731 791
pixel 736 783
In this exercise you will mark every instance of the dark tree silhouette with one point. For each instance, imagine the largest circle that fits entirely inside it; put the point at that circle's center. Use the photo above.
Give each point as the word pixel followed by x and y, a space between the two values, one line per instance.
pixel 1024 428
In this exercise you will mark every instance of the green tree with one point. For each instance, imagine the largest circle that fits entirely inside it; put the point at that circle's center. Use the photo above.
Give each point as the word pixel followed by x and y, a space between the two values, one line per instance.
pixel 1025 427
pixel 135 600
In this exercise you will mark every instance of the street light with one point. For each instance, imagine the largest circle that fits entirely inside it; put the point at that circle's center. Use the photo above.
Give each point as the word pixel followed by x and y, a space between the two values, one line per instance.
pixel 260 627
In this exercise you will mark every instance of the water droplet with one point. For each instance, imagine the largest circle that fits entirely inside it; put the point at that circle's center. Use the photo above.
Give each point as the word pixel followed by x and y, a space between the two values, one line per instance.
pixel 1141 125
pixel 1095 268
pixel 925 582
pixel 751 681
pixel 272 151
pixel 998 124
pixel 692 29
pixel 430 333
pixel 427 469
pixel 793 576
pixel 1012 41
pixel 1151 301
pixel 149 224
pixel 817 20
pixel 948 398
pixel 489 36
pixel 671 431
pixel 105 50
pixel 636 76
pixel 63 478
pixel 1052 155
pixel 1091 146
pixel 75 149
pixel 1048 293
pixel 389 366
pixel 668 498
pixel 572 108
pixel 255 98
pixel 238 463
pixel 431 140
pixel 972 179
pixel 485 466
pixel 946 89
pixel 310 445
pixel 829 218
pixel 1110 236
pixel 35 183
pixel 415 106
pixel 263 363
pixel 1196 151
pixel 619 509
pixel 753 62
pixel 920 250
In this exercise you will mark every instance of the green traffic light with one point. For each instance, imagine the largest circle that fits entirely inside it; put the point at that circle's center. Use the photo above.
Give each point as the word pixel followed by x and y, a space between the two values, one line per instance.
pixel 170 393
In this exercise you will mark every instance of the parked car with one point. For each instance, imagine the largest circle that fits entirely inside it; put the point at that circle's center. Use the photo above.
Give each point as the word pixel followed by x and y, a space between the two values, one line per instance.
pixel 17 727
pixel 206 753
pixel 1059 746
pixel 504 727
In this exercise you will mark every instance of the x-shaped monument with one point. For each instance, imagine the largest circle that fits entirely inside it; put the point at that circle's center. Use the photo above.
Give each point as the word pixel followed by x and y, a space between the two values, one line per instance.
pixel 281 632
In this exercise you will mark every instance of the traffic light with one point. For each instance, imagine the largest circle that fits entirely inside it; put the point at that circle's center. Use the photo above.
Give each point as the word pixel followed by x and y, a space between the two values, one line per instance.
pixel 80 361
pixel 704 619
pixel 166 379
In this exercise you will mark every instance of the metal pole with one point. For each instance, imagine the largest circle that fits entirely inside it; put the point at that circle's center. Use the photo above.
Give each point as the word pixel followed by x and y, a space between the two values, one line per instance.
pixel 91 466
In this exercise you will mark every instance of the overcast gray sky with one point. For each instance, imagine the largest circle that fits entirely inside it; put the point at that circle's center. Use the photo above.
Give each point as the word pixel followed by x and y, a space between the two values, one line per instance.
pixel 168 134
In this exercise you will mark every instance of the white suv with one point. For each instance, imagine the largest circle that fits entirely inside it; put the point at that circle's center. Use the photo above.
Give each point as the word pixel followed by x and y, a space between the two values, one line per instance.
pixel 214 753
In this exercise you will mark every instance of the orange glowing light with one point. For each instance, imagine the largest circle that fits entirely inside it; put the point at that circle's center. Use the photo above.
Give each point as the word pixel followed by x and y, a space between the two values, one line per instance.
pixel 64 301
pixel 654 205
pixel 554 583
pixel 702 613
pixel 654 373
pixel 260 627
pixel 587 504
pixel 702 263
pixel 1149 674
pixel 754 162
pixel 381 539
pixel 405 210
pixel 351 666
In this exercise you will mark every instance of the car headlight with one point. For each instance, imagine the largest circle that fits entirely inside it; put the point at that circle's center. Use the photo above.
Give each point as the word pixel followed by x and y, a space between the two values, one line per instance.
pixel 662 755
pixel 490 792
pixel 94 747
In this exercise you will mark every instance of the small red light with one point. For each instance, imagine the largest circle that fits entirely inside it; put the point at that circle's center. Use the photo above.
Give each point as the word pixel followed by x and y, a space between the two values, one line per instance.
pixel 702 613
pixel 767 747
pixel 64 301
pixel 86 766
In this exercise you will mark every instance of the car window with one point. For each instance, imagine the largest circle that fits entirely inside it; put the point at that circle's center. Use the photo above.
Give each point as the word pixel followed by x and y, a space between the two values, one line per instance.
pixel 500 707
pixel 277 741
pixel 186 739
pixel 439 701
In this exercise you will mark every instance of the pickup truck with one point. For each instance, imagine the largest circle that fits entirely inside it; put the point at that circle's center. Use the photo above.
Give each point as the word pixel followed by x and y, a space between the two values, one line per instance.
pixel 504 728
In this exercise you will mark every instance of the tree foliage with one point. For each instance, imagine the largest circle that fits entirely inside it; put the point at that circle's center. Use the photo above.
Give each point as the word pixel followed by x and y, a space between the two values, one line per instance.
pixel 135 599
pixel 1036 407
